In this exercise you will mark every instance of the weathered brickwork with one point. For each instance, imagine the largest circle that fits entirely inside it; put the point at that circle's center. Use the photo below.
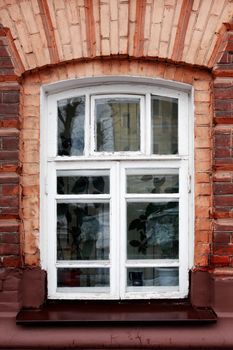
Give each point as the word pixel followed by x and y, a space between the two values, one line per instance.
pixel 222 247
pixel 10 254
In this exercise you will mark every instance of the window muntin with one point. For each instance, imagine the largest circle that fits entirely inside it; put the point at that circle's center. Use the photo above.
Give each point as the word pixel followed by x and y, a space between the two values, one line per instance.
pixel 166 191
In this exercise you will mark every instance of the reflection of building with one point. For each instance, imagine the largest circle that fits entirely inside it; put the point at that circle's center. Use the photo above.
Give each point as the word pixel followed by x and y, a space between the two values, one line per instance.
pixel 65 43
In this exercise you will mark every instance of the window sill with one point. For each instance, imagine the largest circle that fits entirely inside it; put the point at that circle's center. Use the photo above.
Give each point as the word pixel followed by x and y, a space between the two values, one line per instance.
pixel 112 313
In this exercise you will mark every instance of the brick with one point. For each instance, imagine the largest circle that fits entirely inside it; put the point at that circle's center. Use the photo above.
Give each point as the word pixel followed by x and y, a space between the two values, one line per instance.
pixel 30 190
pixel 219 260
pixel 6 108
pixel 5 62
pixel 9 155
pixel 202 96
pixel 223 200
pixel 221 237
pixel 203 189
pixel 202 177
pixel 9 238
pixel 202 212
pixel 225 188
pixel 9 226
pixel 10 143
pixel 10 97
pixel 222 105
pixel 29 17
pixel 202 236
pixel 9 296
pixel 226 93
pixel 9 249
pixel 9 123
pixel 203 201
pixel 223 140
pixel 202 108
pixel 222 152
pixel 201 85
pixel 9 201
pixel 223 225
pixel 11 261
pixel 10 190
pixel 223 249
pixel 8 178
pixel 11 283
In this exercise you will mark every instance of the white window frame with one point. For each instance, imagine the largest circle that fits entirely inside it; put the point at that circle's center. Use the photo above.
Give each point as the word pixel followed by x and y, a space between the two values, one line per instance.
pixel 117 163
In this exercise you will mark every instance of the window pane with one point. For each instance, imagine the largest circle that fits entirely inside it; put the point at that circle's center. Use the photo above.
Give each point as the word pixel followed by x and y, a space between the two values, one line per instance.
pixel 164 125
pixel 155 183
pixel 152 276
pixel 152 230
pixel 78 183
pixel 117 124
pixel 82 231
pixel 71 115
pixel 83 277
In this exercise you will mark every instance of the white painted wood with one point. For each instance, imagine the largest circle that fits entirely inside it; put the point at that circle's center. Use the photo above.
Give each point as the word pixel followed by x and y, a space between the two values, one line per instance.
pixel 117 165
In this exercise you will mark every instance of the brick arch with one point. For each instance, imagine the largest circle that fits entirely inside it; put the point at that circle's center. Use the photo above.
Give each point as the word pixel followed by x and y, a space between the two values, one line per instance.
pixel 48 32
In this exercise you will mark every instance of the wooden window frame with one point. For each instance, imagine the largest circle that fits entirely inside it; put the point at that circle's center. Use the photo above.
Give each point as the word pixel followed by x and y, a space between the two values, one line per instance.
pixel 117 163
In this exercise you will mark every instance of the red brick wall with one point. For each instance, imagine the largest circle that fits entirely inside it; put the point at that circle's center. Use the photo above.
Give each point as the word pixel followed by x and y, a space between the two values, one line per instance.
pixel 222 247
pixel 9 182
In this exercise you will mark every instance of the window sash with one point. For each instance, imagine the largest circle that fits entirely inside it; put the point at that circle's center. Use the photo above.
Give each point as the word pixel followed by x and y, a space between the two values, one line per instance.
pixel 118 198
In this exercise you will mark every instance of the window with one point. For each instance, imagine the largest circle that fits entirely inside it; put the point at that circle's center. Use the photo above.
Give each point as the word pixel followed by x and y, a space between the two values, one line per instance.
pixel 115 200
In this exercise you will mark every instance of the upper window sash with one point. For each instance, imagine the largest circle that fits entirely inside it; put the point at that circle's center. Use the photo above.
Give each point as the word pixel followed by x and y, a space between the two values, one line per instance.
pixel 145 121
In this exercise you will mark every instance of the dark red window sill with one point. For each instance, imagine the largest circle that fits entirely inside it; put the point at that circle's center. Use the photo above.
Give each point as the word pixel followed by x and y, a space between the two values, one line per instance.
pixel 115 313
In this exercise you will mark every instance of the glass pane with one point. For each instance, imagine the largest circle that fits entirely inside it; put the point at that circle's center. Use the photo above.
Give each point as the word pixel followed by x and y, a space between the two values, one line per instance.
pixel 164 125
pixel 117 124
pixel 83 277
pixel 77 183
pixel 71 114
pixel 152 276
pixel 82 231
pixel 155 183
pixel 152 230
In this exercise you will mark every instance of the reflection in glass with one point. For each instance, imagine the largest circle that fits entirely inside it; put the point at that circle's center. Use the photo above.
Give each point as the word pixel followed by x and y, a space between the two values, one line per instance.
pixel 82 184
pixel 164 125
pixel 117 124
pixel 71 114
pixel 152 230
pixel 82 277
pixel 82 231
pixel 155 183
pixel 152 276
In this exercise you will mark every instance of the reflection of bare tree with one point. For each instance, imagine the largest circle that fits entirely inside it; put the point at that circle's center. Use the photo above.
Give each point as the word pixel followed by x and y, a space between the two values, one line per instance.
pixel 66 115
